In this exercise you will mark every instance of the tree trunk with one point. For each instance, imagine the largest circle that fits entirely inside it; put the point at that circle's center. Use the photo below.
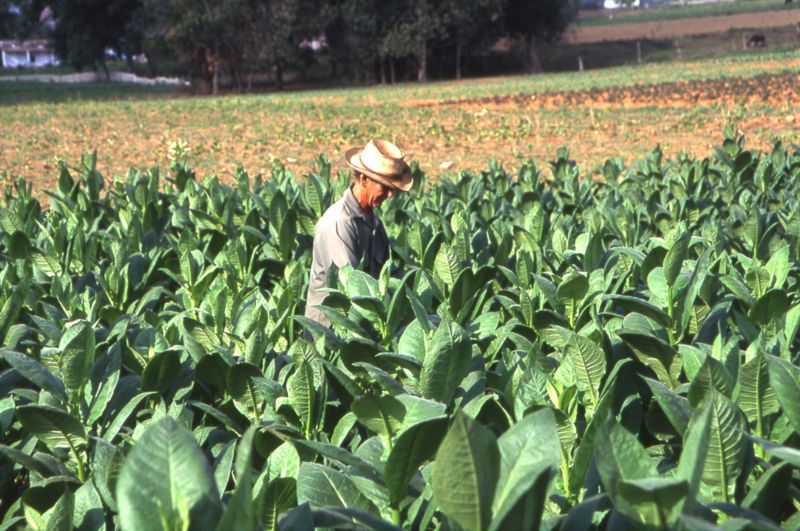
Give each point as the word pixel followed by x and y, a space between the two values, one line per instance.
pixel 104 67
pixel 422 73
pixel 532 63
pixel 215 79
pixel 278 74
pixel 383 71
pixel 458 61
pixel 391 70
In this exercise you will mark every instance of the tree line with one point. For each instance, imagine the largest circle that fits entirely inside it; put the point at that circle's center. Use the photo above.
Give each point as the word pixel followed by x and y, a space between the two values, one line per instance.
pixel 238 41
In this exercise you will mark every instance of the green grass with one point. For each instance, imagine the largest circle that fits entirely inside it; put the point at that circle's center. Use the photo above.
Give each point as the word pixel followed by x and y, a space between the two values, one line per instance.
pixel 29 92
pixel 655 14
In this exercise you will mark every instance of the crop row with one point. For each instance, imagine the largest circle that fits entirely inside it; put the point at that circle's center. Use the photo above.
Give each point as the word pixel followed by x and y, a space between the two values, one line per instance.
pixel 558 352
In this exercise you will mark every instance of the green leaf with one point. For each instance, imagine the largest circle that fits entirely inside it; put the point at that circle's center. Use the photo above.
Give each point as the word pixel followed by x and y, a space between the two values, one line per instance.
pixel 756 396
pixel 381 414
pixel 529 450
pixel 768 494
pixel 655 502
pixel 446 362
pixel 620 456
pixel 77 355
pixel 772 305
pixel 675 407
pixel 446 265
pixel 465 473
pixel 785 379
pixel 54 427
pixel 675 257
pixel 635 304
pixel 35 372
pixel 166 482
pixel 239 514
pixel 726 445
pixel 322 486
pixel 758 279
pixel 695 446
pixel 302 394
pixel 657 354
pixel 712 376
pixel 589 361
pixel 412 448
pixel 161 371
pixel 277 497
pixel 47 265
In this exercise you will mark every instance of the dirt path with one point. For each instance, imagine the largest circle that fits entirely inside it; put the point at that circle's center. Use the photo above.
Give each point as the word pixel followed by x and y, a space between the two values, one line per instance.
pixel 668 29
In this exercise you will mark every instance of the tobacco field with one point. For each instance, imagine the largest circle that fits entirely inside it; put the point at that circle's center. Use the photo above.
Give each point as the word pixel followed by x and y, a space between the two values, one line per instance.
pixel 557 352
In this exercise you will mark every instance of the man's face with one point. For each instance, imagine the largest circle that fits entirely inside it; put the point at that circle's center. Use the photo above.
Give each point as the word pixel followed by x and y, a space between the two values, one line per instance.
pixel 375 193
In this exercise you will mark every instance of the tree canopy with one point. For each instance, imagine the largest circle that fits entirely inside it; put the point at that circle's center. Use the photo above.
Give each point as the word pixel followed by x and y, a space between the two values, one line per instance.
pixel 356 41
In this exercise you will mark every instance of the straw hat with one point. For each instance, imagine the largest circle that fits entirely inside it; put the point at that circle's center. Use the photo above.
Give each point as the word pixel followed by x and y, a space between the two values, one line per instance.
pixel 382 161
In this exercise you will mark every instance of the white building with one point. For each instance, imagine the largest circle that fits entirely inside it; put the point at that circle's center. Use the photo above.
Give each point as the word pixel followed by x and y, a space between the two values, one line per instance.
pixel 26 54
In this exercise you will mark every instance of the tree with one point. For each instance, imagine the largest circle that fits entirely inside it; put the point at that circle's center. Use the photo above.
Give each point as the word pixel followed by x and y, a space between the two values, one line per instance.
pixel 473 25
pixel 417 25
pixel 200 35
pixel 534 22
pixel 86 28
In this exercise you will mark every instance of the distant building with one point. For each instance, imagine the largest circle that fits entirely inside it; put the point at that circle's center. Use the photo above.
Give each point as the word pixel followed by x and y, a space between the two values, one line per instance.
pixel 27 54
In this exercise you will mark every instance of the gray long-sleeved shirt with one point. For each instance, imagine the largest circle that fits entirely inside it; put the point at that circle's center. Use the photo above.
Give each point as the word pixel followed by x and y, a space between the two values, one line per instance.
pixel 344 235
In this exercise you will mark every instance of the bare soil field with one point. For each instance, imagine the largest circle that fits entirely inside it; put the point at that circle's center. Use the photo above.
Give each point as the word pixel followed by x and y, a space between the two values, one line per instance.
pixel 667 29
pixel 444 127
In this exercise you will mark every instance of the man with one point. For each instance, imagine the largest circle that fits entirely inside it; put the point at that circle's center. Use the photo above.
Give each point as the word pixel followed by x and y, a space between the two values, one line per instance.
pixel 350 231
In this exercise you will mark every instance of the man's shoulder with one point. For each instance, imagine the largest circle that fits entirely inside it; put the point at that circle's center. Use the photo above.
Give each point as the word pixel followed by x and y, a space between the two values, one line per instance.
pixel 335 215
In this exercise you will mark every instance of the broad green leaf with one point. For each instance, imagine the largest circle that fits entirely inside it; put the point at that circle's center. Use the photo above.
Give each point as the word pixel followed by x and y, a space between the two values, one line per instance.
pixel 589 361
pixel 446 362
pixel 409 451
pixel 239 513
pixel 381 414
pixel 465 473
pixel 695 447
pixel 35 372
pixel 166 482
pixel 675 407
pixel 756 396
pixel 47 265
pixel 654 502
pixel 726 445
pixel 712 376
pixel 785 379
pixel 161 371
pixel 528 450
pixel 322 486
pixel 77 355
pixel 276 498
pixel 657 354
pixel 620 457
pixel 675 257
pixel 54 427
pixel 302 395
pixel 446 265
pixel 768 494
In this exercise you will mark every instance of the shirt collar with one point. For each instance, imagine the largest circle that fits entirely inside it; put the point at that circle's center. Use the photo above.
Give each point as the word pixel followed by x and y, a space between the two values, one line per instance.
pixel 354 209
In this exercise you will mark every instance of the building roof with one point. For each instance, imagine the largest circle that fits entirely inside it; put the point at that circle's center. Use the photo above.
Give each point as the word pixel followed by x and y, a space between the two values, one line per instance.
pixel 36 46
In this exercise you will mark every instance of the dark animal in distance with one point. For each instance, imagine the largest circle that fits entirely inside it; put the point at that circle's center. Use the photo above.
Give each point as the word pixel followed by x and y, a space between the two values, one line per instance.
pixel 757 41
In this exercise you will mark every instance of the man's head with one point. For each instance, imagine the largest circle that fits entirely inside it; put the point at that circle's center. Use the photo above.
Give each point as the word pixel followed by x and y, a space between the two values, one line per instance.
pixel 379 172
pixel 369 192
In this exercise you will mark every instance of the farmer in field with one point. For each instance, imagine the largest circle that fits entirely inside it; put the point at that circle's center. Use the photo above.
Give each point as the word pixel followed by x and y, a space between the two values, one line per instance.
pixel 350 231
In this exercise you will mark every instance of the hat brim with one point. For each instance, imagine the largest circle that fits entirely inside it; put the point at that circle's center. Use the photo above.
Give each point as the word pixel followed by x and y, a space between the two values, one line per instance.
pixel 403 183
